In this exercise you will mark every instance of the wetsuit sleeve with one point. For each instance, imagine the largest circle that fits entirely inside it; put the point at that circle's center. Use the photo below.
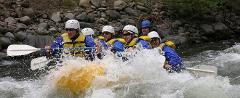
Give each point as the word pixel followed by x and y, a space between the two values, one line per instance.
pixel 118 46
pixel 89 41
pixel 144 44
pixel 58 43
pixel 90 44
pixel 172 57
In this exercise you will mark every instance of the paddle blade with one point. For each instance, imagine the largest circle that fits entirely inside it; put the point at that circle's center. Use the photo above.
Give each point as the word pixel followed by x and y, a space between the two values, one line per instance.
pixel 17 50
pixel 203 70
pixel 39 62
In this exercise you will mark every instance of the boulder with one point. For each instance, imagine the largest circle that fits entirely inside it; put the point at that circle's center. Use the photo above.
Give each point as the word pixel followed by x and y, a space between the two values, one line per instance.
pixel 10 35
pixel 131 11
pixel 96 3
pixel 2 55
pixel 220 26
pixel 28 12
pixel 119 4
pixel 113 14
pixel 42 28
pixel 207 28
pixel 25 20
pixel 5 42
pixel 69 15
pixel 56 17
pixel 20 36
pixel 10 20
pixel 21 26
pixel 142 8
pixel 82 17
pixel 85 3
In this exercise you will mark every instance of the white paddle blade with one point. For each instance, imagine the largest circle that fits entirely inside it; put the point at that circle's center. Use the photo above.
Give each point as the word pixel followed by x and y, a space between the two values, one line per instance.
pixel 17 50
pixel 203 70
pixel 39 62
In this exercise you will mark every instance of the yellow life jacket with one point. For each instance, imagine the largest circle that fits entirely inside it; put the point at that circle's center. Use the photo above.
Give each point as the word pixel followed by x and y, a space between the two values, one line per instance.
pixel 112 41
pixel 79 42
pixel 161 46
pixel 132 43
pixel 167 43
pixel 146 38
pixel 170 44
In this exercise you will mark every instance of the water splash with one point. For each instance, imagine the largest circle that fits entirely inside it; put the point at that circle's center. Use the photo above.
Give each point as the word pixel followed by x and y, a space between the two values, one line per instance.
pixel 145 79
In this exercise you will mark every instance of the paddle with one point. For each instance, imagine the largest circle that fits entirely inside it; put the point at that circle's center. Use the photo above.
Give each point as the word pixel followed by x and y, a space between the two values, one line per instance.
pixel 203 70
pixel 18 50
pixel 36 63
pixel 39 62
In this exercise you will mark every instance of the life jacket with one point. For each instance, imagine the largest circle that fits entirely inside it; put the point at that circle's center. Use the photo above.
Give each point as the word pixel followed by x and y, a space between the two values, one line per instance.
pixel 132 43
pixel 168 43
pixel 79 42
pixel 146 38
pixel 135 41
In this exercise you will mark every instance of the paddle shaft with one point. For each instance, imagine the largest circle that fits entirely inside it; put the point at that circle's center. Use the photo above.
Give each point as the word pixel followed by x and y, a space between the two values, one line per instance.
pixel 201 70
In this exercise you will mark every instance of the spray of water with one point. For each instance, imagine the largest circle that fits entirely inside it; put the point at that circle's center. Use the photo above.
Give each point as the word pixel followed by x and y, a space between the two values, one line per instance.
pixel 142 76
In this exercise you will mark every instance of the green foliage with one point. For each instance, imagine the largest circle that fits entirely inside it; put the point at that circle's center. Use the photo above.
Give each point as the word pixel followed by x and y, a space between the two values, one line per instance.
pixel 191 9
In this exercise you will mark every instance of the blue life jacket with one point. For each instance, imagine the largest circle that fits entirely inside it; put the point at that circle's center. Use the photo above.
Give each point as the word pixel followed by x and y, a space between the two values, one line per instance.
pixel 172 58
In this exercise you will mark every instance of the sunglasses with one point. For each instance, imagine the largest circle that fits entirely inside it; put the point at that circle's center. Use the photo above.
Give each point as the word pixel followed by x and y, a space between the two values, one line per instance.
pixel 70 29
pixel 127 34
pixel 155 39
pixel 106 33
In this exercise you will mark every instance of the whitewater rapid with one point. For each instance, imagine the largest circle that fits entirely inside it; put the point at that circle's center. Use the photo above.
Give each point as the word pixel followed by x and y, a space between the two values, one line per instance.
pixel 154 81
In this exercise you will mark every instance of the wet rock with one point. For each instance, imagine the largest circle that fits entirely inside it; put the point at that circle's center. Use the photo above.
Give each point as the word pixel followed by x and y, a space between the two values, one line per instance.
pixel 28 12
pixel 119 4
pixel 176 39
pixel 142 8
pixel 21 26
pixel 21 35
pixel 69 15
pixel 45 16
pixel 25 20
pixel 131 11
pixel 102 21
pixel 176 23
pixel 181 30
pixel 2 30
pixel 18 10
pixel 82 16
pixel 207 28
pixel 2 1
pixel 2 55
pixel 5 42
pixel 10 35
pixel 39 41
pixel 10 20
pixel 220 26
pixel 42 28
pixel 85 25
pixel 113 14
pixel 91 17
pixel 102 9
pixel 56 17
pixel 96 3
pixel 127 21
pixel 84 3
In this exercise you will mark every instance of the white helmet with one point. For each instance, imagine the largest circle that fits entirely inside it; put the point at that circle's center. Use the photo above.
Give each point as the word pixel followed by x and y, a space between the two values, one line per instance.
pixel 87 31
pixel 74 24
pixel 131 28
pixel 154 34
pixel 108 28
